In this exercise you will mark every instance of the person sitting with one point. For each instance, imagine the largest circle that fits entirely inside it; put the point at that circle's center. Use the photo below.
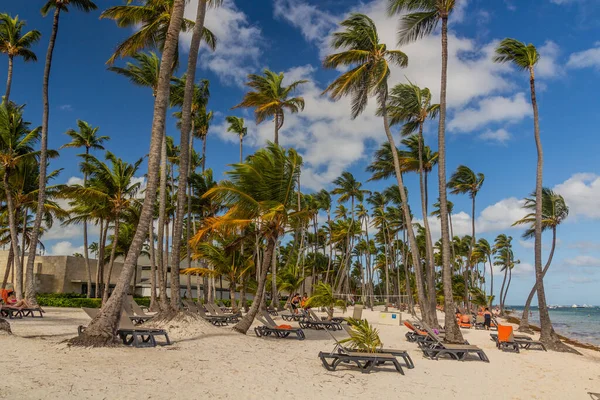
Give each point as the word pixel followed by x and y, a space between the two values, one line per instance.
pixel 487 319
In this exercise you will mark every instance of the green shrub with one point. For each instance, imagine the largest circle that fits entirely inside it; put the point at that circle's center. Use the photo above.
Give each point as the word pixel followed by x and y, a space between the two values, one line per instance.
pixel 75 300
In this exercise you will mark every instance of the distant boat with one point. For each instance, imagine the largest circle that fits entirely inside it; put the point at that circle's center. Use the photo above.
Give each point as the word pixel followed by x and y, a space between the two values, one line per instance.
pixel 576 306
pixel 553 307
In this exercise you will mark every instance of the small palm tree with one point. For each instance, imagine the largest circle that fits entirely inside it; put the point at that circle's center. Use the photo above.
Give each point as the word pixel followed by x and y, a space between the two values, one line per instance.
pixel 484 251
pixel 554 212
pixel 15 43
pixel 323 297
pixel 270 98
pixel 363 337
pixel 236 125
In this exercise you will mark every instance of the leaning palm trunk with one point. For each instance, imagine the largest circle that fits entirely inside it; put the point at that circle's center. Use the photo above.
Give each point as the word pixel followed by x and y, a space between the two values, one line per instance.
pixel 153 301
pixel 524 324
pixel 9 263
pixel 453 334
pixel 491 281
pixel 246 322
pixel 507 286
pixel 30 292
pixel 9 79
pixel 425 314
pixel 184 160
pixel 102 330
pixel 14 236
pixel 428 242
pixel 502 291
pixel 162 201
pixel 111 262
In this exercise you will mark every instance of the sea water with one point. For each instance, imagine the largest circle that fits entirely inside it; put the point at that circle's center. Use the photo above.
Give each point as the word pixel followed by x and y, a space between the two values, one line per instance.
pixel 582 324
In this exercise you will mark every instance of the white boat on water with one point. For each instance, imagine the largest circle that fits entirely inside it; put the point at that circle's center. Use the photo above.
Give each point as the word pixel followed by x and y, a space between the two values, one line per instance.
pixel 576 306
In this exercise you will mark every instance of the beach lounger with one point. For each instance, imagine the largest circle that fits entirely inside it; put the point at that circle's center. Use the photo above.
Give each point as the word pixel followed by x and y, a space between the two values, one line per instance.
pixel 223 307
pixel 479 321
pixel 415 334
pixel 272 311
pixel 271 328
pixel 505 339
pixel 524 342
pixel 464 321
pixel 364 361
pixel 10 312
pixel 313 322
pixel 193 308
pixel 217 312
pixel 135 319
pixel 292 316
pixel 455 351
pixel 132 335
pixel 339 320
pixel 395 352
pixel 137 310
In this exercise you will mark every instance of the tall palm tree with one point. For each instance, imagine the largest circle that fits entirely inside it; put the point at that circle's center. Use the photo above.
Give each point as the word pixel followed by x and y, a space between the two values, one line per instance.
pixel 103 328
pixel 483 250
pixel 15 43
pixel 270 98
pixel 369 62
pixel 261 190
pixel 152 20
pixel 58 6
pixel 88 138
pixel 411 105
pixel 420 18
pixel 16 146
pixel 554 212
pixel 236 125
pixel 464 181
pixel 525 57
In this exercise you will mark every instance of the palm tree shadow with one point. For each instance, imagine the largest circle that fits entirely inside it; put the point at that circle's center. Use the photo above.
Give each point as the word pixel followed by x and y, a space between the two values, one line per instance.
pixel 594 396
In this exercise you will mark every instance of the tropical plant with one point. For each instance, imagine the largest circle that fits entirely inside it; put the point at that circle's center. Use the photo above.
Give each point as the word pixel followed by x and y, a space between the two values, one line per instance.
pixel 15 43
pixel 554 212
pixel 236 125
pixel 363 337
pixel 369 62
pixel 270 98
pixel 323 297
pixel 420 19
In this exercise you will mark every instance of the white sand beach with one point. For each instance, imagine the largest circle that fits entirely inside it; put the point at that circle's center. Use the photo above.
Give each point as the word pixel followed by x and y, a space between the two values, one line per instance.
pixel 209 362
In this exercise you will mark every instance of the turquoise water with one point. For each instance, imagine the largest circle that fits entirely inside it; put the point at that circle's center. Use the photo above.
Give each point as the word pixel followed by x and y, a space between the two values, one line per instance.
pixel 582 324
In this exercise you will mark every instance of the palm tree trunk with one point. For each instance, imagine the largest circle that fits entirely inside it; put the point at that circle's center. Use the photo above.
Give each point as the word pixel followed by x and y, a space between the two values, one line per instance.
pixel 232 295
pixel 241 150
pixel 423 304
pixel 470 265
pixel 14 236
pixel 274 297
pixel 524 324
pixel 502 291
pixel 507 286
pixel 9 79
pixel 9 263
pixel 98 267
pixel 153 300
pixel 203 153
pixel 453 334
pixel 30 292
pixel 111 261
pixel 85 240
pixel 428 241
pixel 246 322
pixel 103 328
pixel 162 202
pixel 23 235
pixel 491 281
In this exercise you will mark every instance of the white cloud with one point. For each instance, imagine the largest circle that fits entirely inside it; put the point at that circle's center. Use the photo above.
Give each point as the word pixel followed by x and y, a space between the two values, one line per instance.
pixel 65 248
pixel 59 231
pixel 75 180
pixel 581 192
pixel 585 59
pixel 585 246
pixel 548 65
pixel 491 109
pixel 66 107
pixel 499 136
pixel 238 42
pixel 313 23
pixel 583 261
pixel 528 244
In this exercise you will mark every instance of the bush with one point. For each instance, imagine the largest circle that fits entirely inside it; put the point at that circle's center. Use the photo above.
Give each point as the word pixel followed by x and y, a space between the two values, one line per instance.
pixel 75 300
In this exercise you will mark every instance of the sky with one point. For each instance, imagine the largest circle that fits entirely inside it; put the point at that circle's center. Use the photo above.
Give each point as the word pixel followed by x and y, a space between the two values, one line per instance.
pixel 489 124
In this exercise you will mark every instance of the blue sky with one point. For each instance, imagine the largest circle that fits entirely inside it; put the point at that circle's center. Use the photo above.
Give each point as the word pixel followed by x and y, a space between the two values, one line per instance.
pixel 489 122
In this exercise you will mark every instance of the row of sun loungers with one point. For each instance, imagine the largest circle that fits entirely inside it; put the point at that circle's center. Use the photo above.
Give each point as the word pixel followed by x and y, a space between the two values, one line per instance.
pixel 507 341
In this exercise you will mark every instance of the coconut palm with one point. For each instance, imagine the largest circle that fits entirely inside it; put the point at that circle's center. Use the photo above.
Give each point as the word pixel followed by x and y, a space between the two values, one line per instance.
pixel 152 20
pixel 503 258
pixel 58 6
pixel 420 19
pixel 525 57
pixel 236 125
pixel 369 62
pixel 483 251
pixel 16 146
pixel 324 297
pixel 88 138
pixel 261 190
pixel 102 329
pixel 15 43
pixel 554 212
pixel 465 181
pixel 270 98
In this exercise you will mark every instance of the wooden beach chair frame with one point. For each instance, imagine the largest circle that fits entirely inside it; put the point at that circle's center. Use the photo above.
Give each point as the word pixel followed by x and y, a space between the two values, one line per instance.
pixel 457 352
pixel 364 361
pixel 313 322
pixel 269 328
pixel 524 342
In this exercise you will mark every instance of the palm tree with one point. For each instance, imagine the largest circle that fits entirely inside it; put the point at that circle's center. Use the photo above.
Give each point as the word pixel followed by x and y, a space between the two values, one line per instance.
pixel 16 146
pixel 236 125
pixel 58 6
pixel 88 138
pixel 102 328
pixel 16 44
pixel 525 57
pixel 411 105
pixel 483 251
pixel 554 212
pixel 259 191
pixel 464 180
pixel 420 19
pixel 504 259
pixel 369 62
pixel 270 99
pixel 152 20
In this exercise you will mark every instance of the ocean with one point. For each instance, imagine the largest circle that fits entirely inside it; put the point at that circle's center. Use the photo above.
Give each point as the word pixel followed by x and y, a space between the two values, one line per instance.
pixel 582 324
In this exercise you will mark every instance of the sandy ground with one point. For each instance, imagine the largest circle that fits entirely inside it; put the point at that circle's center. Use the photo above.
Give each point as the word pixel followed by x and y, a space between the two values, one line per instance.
pixel 209 362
